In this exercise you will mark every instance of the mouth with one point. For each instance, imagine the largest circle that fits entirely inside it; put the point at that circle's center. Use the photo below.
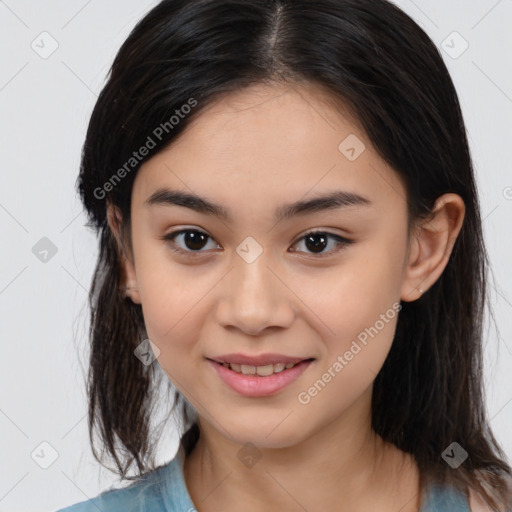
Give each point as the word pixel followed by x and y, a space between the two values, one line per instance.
pixel 261 380
pixel 262 370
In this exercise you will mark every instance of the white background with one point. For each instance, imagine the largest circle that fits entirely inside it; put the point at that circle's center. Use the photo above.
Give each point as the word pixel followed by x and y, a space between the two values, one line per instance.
pixel 45 106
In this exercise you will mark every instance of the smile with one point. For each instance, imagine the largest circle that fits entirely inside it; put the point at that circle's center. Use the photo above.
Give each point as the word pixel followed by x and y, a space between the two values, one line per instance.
pixel 259 381
pixel 262 371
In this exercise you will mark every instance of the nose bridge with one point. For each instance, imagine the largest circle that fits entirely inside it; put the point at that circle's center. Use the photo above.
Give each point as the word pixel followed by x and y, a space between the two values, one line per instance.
pixel 255 298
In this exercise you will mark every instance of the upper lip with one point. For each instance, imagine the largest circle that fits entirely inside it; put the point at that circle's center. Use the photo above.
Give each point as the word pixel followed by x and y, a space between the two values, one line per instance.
pixel 259 360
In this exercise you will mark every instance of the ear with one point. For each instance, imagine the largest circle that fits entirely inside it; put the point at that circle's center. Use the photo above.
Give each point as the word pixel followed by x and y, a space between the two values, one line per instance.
pixel 431 245
pixel 129 278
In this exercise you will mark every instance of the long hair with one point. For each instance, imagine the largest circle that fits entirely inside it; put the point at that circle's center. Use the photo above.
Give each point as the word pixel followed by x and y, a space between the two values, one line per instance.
pixel 382 67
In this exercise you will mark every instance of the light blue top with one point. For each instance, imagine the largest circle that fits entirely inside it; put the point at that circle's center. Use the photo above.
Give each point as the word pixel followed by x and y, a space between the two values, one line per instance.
pixel 164 490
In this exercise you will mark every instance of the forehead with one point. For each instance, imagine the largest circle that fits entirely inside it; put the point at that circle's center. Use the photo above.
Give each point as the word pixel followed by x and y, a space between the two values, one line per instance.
pixel 268 142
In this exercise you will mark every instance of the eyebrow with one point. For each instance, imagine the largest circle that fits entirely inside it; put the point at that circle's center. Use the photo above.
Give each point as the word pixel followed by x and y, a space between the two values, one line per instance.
pixel 331 201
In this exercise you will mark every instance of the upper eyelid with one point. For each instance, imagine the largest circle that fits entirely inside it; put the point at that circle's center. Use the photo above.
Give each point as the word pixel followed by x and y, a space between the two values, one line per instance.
pixel 299 237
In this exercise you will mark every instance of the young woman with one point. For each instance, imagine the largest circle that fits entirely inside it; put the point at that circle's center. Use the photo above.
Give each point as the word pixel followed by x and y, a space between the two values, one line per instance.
pixel 288 222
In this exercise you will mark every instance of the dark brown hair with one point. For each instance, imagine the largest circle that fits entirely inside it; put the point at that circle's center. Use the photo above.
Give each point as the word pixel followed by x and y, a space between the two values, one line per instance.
pixel 381 65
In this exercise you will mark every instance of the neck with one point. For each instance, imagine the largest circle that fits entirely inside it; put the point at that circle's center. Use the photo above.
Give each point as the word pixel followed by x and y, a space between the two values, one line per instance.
pixel 344 466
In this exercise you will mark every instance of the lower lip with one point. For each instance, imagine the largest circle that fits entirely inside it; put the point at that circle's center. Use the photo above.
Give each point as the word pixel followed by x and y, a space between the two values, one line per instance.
pixel 254 385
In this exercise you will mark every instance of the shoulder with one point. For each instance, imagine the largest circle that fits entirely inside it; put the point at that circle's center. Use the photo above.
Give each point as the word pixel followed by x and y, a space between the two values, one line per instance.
pixel 143 494
pixel 477 504
pixel 444 498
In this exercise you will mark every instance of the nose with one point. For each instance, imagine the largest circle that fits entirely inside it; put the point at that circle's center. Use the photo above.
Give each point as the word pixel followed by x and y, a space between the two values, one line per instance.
pixel 255 297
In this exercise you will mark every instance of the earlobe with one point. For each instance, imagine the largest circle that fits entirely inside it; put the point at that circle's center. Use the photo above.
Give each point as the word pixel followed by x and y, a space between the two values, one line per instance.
pixel 431 246
pixel 128 286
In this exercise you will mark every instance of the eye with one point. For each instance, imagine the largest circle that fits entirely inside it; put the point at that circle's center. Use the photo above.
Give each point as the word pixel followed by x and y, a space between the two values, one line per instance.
pixel 192 238
pixel 317 241
pixel 195 240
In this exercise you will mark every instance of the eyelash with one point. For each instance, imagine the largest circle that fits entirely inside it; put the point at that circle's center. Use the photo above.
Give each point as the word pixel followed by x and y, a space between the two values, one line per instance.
pixel 342 242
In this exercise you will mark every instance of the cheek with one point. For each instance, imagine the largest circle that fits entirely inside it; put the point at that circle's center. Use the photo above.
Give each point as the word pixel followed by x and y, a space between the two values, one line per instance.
pixel 169 303
pixel 355 313
pixel 354 356
pixel 171 310
pixel 174 301
pixel 166 288
pixel 343 301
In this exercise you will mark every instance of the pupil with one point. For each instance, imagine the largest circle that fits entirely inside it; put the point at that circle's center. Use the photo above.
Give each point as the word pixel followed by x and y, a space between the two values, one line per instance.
pixel 316 245
pixel 193 237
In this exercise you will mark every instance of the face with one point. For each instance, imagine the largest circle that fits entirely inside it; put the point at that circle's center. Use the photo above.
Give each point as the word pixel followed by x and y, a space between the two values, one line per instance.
pixel 319 283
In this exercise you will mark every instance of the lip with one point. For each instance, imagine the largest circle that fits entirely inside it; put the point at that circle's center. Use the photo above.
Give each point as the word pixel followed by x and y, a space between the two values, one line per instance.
pixel 259 360
pixel 256 386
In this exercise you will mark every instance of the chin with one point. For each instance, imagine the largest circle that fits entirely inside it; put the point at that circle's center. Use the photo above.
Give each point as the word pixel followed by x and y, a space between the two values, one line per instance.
pixel 265 434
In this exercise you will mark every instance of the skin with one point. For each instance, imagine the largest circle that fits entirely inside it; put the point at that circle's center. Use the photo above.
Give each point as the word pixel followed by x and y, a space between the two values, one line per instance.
pixel 253 152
